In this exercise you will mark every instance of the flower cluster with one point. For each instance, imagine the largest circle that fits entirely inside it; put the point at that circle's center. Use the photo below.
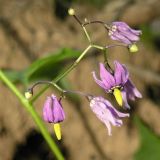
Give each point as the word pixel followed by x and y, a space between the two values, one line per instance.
pixel 115 81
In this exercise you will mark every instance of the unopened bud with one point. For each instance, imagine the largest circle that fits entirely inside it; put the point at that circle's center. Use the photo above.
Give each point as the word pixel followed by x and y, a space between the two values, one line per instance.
pixel 71 11
pixel 133 48
pixel 28 94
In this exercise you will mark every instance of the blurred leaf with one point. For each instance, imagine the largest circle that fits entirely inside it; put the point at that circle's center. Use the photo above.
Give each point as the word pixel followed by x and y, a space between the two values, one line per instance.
pixel 50 66
pixel 46 67
pixel 147 35
pixel 64 83
pixel 150 143
pixel 14 76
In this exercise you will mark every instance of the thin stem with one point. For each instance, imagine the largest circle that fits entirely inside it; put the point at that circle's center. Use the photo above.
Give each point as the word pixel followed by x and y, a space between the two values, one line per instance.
pixel 45 82
pixel 116 45
pixel 106 26
pixel 87 34
pixel 98 47
pixel 73 65
pixel 83 27
pixel 77 19
pixel 91 22
pixel 106 61
pixel 34 115
pixel 62 75
pixel 76 92
pixel 105 55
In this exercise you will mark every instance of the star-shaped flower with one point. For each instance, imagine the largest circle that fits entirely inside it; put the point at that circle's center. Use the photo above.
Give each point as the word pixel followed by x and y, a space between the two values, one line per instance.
pixel 117 83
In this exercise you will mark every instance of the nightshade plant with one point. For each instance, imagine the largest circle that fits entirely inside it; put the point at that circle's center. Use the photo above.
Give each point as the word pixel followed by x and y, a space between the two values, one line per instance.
pixel 115 81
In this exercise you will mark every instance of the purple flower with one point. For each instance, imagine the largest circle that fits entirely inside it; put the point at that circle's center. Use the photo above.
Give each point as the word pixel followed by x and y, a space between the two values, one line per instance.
pixel 117 83
pixel 106 112
pixel 120 31
pixel 130 92
pixel 53 111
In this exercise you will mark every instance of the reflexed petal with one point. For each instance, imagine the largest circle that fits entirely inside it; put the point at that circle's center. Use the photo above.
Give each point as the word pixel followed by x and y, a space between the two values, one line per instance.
pixel 108 125
pixel 47 111
pixel 125 102
pixel 106 76
pixel 99 82
pixel 121 38
pixel 114 111
pixel 57 110
pixel 132 91
pixel 121 74
pixel 129 35
pixel 53 111
pixel 136 32
pixel 121 25
pixel 106 112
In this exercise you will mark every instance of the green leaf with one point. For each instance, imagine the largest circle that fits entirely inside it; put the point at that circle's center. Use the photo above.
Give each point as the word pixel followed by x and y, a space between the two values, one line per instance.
pixel 14 76
pixel 150 143
pixel 51 65
pixel 64 83
pixel 47 67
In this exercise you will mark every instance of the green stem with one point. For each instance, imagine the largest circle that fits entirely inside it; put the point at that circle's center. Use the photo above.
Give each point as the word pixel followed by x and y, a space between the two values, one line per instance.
pixel 73 65
pixel 98 47
pixel 34 115
pixel 63 74
pixel 86 33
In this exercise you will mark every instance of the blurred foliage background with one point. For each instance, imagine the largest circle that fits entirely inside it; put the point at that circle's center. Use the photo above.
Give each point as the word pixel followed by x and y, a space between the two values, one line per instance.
pixel 39 40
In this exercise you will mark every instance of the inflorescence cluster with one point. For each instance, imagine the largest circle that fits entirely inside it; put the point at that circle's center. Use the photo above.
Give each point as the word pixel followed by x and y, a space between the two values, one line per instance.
pixel 115 81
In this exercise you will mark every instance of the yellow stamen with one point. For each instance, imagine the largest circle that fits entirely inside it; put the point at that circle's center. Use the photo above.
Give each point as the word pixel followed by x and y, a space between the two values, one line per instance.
pixel 57 130
pixel 118 96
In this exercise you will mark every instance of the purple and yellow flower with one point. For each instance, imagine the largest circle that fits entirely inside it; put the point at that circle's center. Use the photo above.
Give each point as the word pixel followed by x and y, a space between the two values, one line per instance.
pixel 106 112
pixel 117 83
pixel 120 31
pixel 54 113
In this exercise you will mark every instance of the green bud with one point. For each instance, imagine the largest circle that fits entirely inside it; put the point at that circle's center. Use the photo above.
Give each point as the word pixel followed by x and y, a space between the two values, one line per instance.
pixel 28 94
pixel 71 12
pixel 133 48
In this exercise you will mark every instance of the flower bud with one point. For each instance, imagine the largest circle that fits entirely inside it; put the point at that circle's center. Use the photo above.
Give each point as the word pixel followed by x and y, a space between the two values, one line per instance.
pixel 71 11
pixel 133 48
pixel 28 94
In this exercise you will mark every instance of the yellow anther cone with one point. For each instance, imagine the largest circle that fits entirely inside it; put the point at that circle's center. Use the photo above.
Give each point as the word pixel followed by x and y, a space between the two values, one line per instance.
pixel 118 96
pixel 57 130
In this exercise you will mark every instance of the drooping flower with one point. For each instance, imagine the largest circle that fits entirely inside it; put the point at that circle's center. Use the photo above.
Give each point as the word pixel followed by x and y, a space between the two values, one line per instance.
pixel 117 83
pixel 106 112
pixel 54 113
pixel 120 31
